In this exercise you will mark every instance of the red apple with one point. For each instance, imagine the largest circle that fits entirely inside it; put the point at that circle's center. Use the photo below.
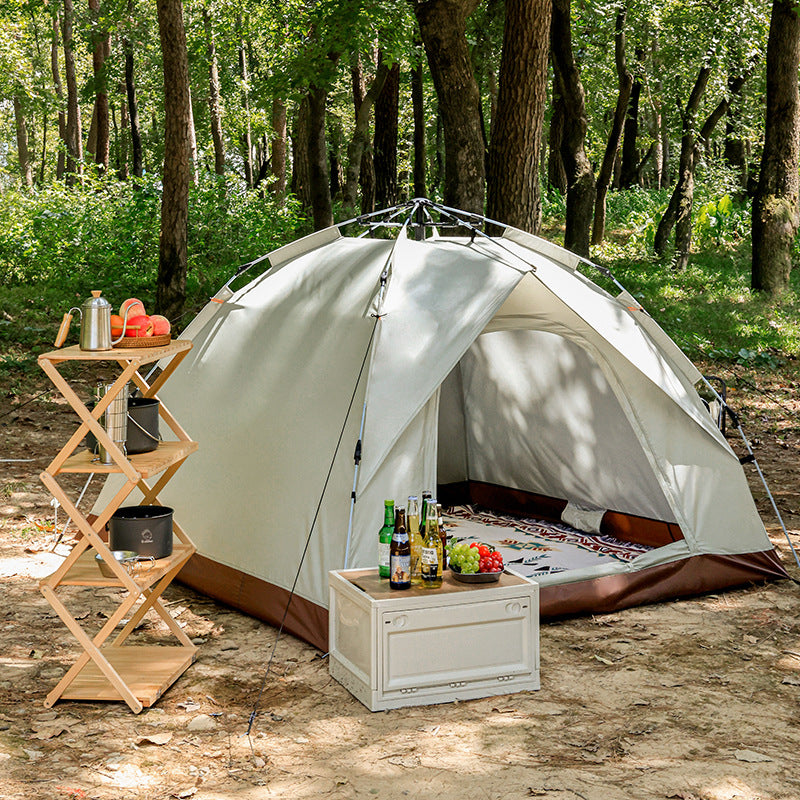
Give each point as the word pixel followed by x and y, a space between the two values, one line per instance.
pixel 139 326
pixel 134 307
pixel 160 325
pixel 116 325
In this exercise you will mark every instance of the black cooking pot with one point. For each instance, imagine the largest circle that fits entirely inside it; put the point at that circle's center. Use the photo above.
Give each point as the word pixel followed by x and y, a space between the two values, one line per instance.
pixel 142 425
pixel 142 432
pixel 147 530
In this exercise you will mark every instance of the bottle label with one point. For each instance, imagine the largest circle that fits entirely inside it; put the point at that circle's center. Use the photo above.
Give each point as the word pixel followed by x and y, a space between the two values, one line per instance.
pixel 383 554
pixel 430 557
pixel 400 569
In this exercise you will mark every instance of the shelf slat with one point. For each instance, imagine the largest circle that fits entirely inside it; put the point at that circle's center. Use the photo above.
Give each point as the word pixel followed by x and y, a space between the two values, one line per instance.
pixel 148 671
pixel 86 572
pixel 144 355
pixel 146 464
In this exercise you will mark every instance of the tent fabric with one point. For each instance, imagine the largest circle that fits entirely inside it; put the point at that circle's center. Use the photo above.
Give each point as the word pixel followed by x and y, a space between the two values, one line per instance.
pixel 452 361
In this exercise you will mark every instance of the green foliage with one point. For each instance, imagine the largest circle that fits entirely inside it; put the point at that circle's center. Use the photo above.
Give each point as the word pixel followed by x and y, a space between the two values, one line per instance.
pixel 106 235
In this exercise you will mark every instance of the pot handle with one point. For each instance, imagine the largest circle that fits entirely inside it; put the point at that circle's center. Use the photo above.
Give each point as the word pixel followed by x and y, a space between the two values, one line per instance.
pixel 61 336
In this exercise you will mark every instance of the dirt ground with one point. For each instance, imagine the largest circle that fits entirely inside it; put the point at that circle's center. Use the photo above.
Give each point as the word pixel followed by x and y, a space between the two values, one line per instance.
pixel 697 699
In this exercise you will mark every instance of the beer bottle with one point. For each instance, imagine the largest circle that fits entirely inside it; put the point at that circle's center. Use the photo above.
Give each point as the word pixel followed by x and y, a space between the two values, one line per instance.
pixel 431 559
pixel 426 495
pixel 412 520
pixel 400 554
pixel 442 534
pixel 385 538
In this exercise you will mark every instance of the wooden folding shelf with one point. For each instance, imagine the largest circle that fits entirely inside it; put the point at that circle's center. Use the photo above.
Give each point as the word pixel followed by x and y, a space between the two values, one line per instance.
pixel 116 669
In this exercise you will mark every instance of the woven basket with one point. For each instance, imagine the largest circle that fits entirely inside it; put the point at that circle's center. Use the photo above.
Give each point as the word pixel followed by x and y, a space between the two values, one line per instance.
pixel 144 341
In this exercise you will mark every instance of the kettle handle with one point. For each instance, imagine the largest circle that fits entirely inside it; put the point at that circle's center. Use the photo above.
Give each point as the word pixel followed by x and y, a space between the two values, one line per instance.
pixel 61 336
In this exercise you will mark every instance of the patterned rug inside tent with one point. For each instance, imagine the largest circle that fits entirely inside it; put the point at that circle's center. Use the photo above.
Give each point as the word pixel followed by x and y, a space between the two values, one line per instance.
pixel 535 547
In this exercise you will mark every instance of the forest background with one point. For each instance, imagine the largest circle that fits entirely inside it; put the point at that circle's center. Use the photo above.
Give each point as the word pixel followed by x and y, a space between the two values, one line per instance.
pixel 151 149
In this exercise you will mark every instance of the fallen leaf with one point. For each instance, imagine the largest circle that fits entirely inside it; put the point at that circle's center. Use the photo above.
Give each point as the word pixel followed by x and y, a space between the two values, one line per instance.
pixel 791 681
pixel 603 660
pixel 50 731
pixel 751 757
pixel 155 738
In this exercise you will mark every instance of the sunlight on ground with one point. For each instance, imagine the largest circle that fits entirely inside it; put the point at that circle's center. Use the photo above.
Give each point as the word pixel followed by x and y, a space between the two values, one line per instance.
pixel 30 565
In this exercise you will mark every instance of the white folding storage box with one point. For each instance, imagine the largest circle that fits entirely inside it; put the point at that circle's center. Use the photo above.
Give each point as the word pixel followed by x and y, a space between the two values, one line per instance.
pixel 420 646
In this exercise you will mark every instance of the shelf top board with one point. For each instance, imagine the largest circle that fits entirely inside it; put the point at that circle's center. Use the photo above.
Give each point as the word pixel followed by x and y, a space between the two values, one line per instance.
pixel 378 588
pixel 86 571
pixel 146 464
pixel 145 355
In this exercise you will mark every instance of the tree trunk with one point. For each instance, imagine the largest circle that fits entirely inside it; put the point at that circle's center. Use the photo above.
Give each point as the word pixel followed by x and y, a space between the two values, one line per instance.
pixel 384 144
pixel 22 144
pixel 775 205
pixel 420 154
pixel 679 211
pixel 319 180
pixel 278 149
pixel 355 149
pixel 214 103
pixel 630 153
pixel 123 172
pixel 102 50
pixel 513 191
pixel 580 176
pixel 624 84
pixel 192 142
pixel 133 111
pixel 74 138
pixel 735 152
pixel 301 167
pixel 62 118
pixel 177 171
pixel 556 174
pixel 442 26
pixel 247 136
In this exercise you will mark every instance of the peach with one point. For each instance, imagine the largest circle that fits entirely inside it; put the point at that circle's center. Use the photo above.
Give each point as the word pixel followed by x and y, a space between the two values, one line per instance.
pixel 160 325
pixel 141 325
pixel 134 307
pixel 116 325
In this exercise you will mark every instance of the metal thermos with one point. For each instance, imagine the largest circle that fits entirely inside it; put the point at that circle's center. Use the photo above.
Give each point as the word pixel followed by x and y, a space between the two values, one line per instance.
pixel 114 419
pixel 95 324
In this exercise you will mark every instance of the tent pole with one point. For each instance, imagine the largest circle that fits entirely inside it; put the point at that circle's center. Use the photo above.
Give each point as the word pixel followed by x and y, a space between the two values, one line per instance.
pixel 357 459
pixel 751 457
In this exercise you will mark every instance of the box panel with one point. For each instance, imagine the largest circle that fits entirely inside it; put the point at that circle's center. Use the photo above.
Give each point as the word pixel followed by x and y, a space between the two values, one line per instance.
pixel 474 641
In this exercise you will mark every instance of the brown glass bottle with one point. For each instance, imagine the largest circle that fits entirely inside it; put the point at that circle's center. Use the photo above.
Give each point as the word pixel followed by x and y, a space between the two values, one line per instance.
pixel 400 553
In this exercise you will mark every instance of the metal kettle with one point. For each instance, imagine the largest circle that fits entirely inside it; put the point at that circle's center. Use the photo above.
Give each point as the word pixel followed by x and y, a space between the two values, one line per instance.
pixel 95 324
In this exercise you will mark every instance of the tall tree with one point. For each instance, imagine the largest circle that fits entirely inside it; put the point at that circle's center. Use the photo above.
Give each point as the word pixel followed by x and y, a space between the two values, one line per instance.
pixel 214 99
pixel 102 49
pixel 580 176
pixel 278 148
pixel 775 205
pixel 679 210
pixel 624 84
pixel 62 117
pixel 133 108
pixel 363 101
pixel 418 107
pixel 74 138
pixel 177 171
pixel 442 25
pixel 384 144
pixel 25 168
pixel 514 193
pixel 318 173
pixel 629 166
pixel 247 134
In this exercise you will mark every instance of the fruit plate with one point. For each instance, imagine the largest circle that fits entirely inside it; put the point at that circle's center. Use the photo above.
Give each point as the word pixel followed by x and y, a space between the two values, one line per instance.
pixel 145 341
pixel 476 577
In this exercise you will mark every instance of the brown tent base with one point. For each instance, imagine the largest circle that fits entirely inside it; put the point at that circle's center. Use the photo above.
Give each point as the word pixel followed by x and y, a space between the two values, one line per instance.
pixel 689 576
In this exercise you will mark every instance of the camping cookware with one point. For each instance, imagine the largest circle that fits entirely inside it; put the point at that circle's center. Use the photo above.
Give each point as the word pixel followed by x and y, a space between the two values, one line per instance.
pixel 115 419
pixel 142 431
pixel 95 324
pixel 147 530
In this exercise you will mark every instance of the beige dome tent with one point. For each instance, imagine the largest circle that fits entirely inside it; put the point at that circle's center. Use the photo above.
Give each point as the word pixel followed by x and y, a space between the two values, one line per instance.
pixel 487 367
